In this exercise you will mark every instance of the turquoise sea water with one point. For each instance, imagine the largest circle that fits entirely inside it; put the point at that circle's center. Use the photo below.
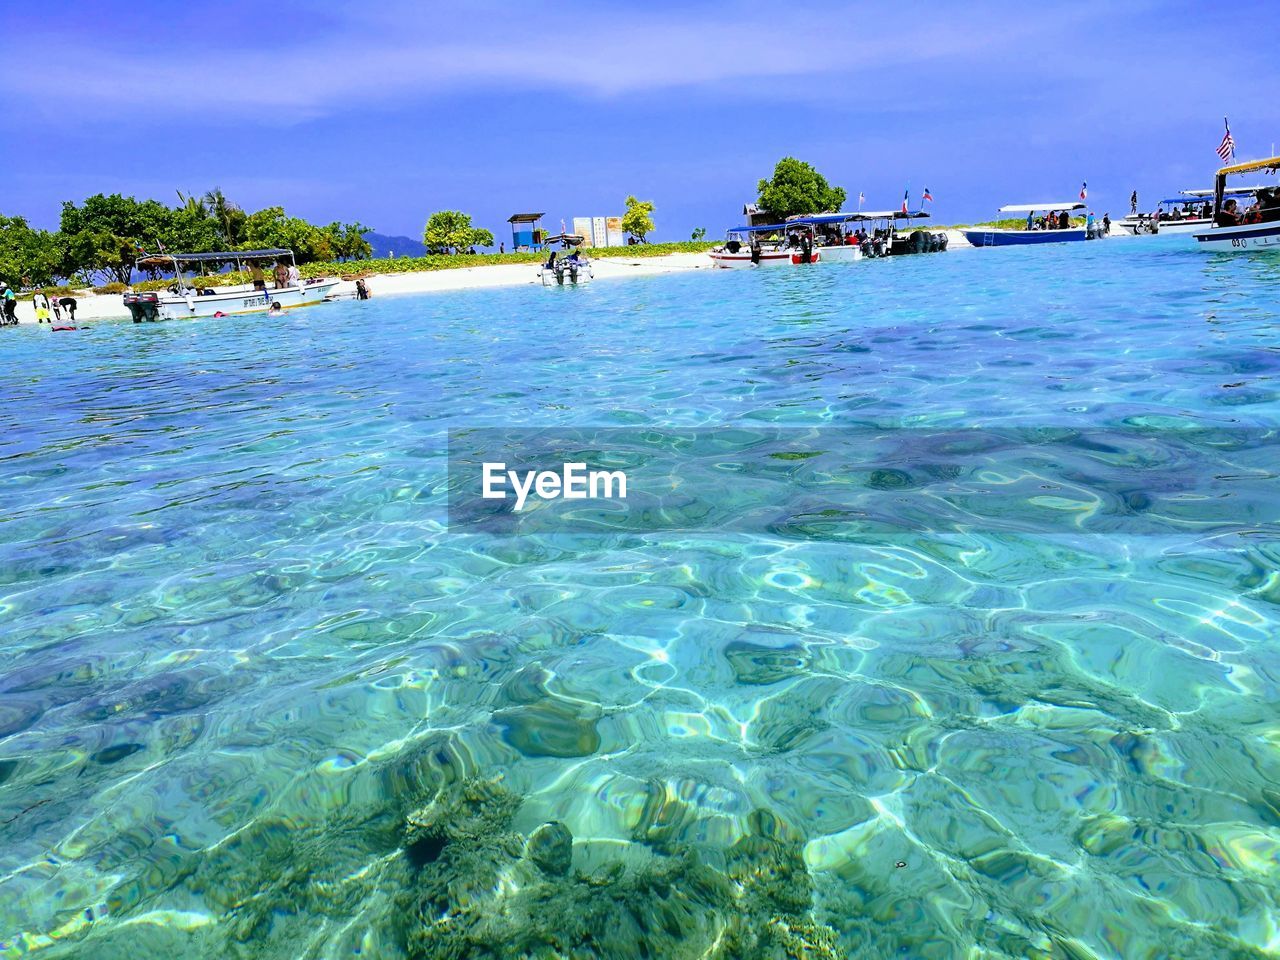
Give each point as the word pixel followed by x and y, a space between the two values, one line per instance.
pixel 258 700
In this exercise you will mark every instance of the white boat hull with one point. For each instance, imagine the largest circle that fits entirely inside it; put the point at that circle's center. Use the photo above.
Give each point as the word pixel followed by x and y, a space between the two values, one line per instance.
pixel 1246 236
pixel 172 306
pixel 742 259
pixel 1171 227
pixel 845 253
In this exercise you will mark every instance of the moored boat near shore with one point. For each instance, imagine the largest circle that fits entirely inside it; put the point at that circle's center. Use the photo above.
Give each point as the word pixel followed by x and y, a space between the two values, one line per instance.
pixel 1258 228
pixel 186 298
pixel 990 236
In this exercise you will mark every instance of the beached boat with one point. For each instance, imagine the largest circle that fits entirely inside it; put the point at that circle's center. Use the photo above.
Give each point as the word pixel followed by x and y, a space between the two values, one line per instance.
pixel 1005 237
pixel 758 246
pixel 895 233
pixel 189 297
pixel 1259 228
pixel 566 263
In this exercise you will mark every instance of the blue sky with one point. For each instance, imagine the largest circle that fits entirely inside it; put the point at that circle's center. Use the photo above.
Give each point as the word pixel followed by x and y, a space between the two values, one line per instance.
pixel 383 112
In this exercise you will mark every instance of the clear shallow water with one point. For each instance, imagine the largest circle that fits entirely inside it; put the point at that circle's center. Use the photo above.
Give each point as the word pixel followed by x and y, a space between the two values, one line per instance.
pixel 240 645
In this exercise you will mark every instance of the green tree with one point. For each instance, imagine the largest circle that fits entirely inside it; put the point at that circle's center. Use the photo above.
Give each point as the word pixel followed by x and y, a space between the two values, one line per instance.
pixel 28 257
pixel 449 231
pixel 348 240
pixel 106 234
pixel 699 234
pixel 271 227
pixel 638 220
pixel 797 188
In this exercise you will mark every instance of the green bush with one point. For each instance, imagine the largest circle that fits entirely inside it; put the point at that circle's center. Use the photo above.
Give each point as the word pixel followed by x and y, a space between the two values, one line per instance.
pixel 113 287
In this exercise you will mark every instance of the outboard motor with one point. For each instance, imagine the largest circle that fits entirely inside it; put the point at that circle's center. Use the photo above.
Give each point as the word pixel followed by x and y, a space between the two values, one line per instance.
pixel 867 249
pixel 143 306
pixel 941 239
pixel 733 246
pixel 919 241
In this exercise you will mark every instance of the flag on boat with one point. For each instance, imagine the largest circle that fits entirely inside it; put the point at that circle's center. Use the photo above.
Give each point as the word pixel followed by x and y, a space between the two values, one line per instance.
pixel 1084 191
pixel 927 197
pixel 1227 148
pixel 861 197
pixel 905 194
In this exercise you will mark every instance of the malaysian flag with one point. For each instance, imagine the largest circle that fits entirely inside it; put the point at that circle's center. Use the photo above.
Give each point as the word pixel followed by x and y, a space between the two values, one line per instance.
pixel 905 194
pixel 1084 191
pixel 1227 148
pixel 926 197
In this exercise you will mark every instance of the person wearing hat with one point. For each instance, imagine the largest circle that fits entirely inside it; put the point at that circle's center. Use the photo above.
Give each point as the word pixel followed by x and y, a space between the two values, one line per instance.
pixel 10 302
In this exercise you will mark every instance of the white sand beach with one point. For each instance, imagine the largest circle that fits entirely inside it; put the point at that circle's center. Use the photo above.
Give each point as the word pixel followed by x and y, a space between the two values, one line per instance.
pixel 111 307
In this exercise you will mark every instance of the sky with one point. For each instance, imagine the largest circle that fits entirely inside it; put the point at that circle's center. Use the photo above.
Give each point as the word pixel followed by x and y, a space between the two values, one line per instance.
pixel 385 112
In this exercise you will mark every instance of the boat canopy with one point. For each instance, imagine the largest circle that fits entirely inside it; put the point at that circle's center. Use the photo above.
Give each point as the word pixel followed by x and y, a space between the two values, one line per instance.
pixel 221 257
pixel 822 219
pixel 1271 164
pixel 572 239
pixel 1204 198
pixel 1033 207
pixel 1238 191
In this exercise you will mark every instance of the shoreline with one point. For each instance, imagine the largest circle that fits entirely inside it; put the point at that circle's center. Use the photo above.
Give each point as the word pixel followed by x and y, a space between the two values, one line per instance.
pixel 110 306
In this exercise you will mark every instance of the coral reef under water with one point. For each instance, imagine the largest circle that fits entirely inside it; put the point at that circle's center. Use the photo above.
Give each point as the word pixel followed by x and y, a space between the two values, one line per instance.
pixel 481 890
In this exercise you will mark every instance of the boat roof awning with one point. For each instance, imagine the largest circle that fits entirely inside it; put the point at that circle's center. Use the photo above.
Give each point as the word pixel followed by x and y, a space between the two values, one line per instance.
pixel 823 219
pixel 1033 207
pixel 570 238
pixel 1234 191
pixel 1189 198
pixel 219 256
pixel 1271 163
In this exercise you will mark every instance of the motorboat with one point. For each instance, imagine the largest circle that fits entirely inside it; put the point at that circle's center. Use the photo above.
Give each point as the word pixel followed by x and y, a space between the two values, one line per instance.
pixel 1258 228
pixel 566 262
pixel 886 233
pixel 189 297
pixel 990 236
pixel 758 246
pixel 1183 214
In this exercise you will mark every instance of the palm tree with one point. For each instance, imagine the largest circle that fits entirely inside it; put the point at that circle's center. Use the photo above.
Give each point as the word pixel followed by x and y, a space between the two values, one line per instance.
pixel 229 216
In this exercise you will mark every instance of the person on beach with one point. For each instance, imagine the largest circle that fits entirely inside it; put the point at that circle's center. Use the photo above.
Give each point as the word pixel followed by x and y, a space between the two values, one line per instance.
pixel 56 307
pixel 281 273
pixel 362 290
pixel 502 247
pixel 293 277
pixel 256 275
pixel 69 304
pixel 40 303
pixel 10 302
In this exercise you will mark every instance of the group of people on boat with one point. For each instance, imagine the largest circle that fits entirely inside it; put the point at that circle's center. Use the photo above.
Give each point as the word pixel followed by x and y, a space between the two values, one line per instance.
pixel 1187 211
pixel 1264 209
pixel 1055 220
pixel 284 274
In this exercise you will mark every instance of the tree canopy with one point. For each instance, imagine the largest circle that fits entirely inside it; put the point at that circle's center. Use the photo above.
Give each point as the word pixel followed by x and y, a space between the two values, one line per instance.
pixel 797 188
pixel 104 236
pixel 449 231
pixel 638 220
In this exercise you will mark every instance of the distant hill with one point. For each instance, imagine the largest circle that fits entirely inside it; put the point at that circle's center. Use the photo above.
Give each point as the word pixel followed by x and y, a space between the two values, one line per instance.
pixel 386 246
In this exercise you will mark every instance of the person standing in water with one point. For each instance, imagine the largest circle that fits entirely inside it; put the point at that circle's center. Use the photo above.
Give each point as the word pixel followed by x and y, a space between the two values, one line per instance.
pixel 362 290
pixel 10 302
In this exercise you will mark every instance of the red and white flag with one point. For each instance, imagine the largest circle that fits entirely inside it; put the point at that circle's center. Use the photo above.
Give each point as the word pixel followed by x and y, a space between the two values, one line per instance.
pixel 1227 148
pixel 1084 191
